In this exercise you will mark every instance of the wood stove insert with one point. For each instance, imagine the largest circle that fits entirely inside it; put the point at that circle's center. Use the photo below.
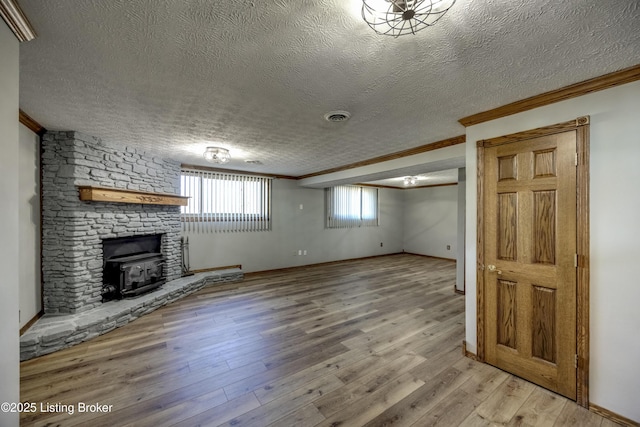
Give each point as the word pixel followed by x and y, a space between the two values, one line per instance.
pixel 132 265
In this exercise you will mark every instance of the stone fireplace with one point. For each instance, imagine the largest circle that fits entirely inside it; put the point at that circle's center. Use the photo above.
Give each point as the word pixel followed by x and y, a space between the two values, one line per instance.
pixel 74 230
pixel 79 225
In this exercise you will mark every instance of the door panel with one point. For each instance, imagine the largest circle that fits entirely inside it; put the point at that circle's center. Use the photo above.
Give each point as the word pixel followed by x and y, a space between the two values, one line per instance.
pixel 507 312
pixel 507 226
pixel 543 345
pixel 530 244
pixel 544 227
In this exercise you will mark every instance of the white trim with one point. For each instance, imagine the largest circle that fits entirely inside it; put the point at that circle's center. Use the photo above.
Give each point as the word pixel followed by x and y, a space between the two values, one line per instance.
pixel 16 20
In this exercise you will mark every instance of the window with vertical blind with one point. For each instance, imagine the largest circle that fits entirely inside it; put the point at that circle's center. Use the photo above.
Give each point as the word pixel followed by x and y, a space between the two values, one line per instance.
pixel 351 206
pixel 225 202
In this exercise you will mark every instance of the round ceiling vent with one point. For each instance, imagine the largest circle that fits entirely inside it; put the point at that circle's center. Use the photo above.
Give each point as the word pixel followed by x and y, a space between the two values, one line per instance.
pixel 337 116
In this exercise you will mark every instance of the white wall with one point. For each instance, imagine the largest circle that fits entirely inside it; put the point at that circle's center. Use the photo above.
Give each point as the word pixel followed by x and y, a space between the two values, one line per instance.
pixel 299 229
pixel 462 214
pixel 431 221
pixel 29 224
pixel 614 227
pixel 9 325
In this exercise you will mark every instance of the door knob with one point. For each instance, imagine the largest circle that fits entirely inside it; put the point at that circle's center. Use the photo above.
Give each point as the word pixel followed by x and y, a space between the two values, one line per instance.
pixel 492 268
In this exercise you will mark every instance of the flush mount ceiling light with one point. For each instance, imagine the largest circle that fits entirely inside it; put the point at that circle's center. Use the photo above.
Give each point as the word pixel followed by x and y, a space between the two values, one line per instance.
pixel 410 180
pixel 216 155
pixel 400 17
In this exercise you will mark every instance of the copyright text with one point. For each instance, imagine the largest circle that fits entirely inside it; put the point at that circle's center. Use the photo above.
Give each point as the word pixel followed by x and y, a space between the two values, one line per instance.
pixel 69 408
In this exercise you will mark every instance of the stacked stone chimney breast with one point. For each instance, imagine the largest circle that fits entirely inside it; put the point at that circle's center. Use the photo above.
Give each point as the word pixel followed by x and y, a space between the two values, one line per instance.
pixel 73 230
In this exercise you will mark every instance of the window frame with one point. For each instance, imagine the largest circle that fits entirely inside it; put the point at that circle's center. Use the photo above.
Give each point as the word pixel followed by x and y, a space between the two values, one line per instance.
pixel 352 219
pixel 215 211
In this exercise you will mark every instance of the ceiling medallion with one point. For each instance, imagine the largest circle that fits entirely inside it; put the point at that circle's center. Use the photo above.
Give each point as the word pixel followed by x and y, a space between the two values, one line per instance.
pixel 400 17
pixel 216 155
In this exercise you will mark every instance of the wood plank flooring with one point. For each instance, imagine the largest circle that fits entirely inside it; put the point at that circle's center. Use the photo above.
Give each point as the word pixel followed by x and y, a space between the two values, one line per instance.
pixel 372 342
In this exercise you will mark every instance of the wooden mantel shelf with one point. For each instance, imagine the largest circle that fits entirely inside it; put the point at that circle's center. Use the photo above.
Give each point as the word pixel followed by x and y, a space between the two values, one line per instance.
pixel 117 195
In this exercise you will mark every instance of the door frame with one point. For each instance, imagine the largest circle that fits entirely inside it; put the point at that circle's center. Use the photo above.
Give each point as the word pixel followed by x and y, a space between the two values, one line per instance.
pixel 581 126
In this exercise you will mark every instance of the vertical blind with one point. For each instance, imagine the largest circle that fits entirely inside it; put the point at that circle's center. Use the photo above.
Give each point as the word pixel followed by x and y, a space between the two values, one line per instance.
pixel 225 202
pixel 351 206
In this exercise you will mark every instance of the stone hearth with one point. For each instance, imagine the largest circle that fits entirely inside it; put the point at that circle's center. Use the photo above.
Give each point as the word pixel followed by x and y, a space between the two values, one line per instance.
pixel 55 332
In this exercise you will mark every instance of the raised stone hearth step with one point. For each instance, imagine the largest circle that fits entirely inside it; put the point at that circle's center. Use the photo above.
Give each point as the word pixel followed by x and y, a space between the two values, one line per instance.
pixel 55 332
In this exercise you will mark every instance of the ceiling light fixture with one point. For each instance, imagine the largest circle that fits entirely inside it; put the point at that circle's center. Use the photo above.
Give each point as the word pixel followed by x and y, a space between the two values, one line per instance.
pixel 216 155
pixel 410 180
pixel 400 17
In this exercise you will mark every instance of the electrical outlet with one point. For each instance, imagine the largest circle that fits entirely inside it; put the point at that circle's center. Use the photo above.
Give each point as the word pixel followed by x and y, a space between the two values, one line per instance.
pixel 304 252
pixel 299 251
pixel 448 247
pixel 380 244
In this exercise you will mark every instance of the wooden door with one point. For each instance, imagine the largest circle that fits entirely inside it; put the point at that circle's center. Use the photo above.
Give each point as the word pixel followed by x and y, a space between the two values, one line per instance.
pixel 530 259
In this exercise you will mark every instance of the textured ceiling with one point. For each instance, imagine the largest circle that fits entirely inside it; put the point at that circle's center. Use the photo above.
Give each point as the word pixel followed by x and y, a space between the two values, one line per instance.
pixel 256 77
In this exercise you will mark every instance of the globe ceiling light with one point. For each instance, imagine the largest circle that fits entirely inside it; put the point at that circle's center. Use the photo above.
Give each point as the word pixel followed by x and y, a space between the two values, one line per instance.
pixel 400 17
pixel 216 155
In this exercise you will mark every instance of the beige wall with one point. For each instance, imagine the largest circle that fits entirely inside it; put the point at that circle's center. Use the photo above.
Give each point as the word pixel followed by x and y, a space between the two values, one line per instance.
pixel 614 206
pixel 9 325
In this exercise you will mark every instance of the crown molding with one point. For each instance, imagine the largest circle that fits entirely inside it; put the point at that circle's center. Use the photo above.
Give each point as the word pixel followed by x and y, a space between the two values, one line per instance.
pixel 407 188
pixel 17 20
pixel 607 81
pixel 447 184
pixel 391 187
pixel 461 139
pixel 29 122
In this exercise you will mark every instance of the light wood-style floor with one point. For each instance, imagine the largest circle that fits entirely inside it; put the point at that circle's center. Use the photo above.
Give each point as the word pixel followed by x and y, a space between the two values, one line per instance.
pixel 373 342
